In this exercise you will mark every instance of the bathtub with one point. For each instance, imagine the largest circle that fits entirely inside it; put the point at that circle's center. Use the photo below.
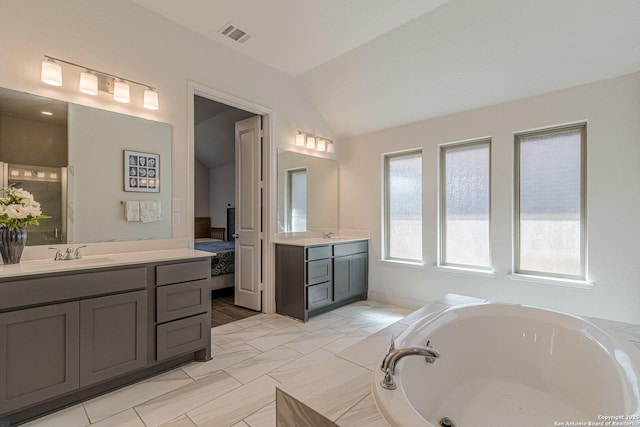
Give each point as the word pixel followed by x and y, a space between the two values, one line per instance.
pixel 512 365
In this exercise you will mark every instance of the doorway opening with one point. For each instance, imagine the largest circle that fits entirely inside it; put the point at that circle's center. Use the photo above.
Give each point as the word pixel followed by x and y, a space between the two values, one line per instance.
pixel 217 178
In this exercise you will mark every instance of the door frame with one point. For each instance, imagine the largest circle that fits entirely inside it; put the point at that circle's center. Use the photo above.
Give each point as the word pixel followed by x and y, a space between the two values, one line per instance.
pixel 194 88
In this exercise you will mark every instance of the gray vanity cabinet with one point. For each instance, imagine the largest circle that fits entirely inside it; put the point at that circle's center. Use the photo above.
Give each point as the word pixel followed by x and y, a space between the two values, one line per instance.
pixel 71 335
pixel 38 354
pixel 314 279
pixel 113 336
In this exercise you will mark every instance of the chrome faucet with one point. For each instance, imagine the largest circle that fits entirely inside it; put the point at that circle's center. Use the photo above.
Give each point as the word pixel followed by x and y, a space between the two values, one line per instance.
pixel 77 254
pixel 394 355
pixel 69 254
pixel 328 235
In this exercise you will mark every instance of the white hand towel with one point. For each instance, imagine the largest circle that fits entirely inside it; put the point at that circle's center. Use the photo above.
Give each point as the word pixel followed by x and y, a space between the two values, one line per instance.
pixel 150 210
pixel 132 210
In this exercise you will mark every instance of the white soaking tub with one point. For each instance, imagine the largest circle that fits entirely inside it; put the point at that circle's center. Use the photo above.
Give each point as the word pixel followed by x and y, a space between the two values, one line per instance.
pixel 511 365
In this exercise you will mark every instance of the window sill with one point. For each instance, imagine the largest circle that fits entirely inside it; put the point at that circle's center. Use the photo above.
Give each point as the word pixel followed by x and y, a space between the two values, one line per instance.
pixel 467 271
pixel 551 281
pixel 410 264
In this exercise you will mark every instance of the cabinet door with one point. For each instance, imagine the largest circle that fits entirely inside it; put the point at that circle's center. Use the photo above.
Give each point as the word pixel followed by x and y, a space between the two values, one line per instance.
pixel 113 336
pixel 38 354
pixel 341 277
pixel 358 274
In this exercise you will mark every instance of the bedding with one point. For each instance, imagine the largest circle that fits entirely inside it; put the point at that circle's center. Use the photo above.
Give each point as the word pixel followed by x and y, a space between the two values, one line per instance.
pixel 223 262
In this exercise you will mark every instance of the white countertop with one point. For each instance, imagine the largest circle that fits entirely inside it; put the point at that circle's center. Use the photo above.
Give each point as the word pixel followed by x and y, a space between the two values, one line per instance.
pixel 317 241
pixel 98 261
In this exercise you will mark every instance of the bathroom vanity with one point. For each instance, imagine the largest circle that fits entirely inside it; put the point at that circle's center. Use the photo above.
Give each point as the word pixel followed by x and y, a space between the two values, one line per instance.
pixel 70 330
pixel 317 275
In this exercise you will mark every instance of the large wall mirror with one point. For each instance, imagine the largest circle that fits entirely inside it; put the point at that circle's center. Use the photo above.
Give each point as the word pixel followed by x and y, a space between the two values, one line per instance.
pixel 71 158
pixel 307 193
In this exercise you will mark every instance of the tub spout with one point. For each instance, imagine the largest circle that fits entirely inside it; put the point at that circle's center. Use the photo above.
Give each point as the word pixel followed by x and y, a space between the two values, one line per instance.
pixel 393 357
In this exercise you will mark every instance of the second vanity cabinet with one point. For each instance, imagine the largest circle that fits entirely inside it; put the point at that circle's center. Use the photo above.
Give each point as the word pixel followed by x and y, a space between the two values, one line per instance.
pixel 313 279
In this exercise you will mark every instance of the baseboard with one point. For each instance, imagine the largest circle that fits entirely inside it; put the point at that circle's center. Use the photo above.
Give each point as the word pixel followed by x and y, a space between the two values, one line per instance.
pixel 397 301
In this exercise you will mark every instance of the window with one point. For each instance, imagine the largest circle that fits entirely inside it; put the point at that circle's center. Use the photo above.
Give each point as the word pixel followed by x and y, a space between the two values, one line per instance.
pixel 550 202
pixel 465 200
pixel 297 199
pixel 403 206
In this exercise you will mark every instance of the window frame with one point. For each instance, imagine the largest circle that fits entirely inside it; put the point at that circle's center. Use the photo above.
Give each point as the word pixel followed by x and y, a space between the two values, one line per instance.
pixel 442 206
pixel 289 199
pixel 386 214
pixel 582 127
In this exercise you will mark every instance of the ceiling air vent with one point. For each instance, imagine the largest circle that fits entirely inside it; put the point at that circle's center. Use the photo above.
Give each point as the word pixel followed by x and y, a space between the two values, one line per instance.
pixel 234 33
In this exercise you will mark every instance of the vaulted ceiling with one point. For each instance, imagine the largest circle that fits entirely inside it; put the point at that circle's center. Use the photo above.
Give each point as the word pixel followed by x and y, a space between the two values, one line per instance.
pixel 373 64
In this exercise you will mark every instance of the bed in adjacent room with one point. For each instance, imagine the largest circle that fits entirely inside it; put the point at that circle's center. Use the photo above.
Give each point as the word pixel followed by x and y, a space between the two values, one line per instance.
pixel 213 240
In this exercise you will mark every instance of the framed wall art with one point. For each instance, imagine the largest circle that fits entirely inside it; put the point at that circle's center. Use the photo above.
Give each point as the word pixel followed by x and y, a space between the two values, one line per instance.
pixel 141 172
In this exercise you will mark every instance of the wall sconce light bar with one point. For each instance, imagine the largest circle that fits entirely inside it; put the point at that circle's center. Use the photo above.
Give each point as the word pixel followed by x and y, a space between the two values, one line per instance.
pixel 91 81
pixel 312 141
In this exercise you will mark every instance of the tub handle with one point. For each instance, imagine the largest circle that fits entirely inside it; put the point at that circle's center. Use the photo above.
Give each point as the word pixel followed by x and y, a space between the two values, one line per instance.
pixel 392 347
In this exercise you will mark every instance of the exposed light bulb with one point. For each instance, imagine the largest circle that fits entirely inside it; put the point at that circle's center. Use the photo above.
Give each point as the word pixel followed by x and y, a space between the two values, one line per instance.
pixel 51 73
pixel 88 83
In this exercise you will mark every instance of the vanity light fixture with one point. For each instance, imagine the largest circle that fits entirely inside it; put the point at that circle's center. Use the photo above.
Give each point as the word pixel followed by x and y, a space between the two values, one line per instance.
pixel 311 141
pixel 151 99
pixel 92 81
pixel 51 72
pixel 88 83
pixel 121 92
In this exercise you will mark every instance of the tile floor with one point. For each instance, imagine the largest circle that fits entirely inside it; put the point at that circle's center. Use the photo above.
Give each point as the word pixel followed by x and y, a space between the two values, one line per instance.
pixel 237 388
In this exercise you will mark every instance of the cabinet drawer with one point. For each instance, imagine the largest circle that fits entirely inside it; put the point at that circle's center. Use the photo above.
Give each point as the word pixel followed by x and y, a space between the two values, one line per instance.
pixel 182 300
pixel 319 295
pixel 182 272
pixel 350 248
pixel 318 271
pixel 182 336
pixel 46 290
pixel 318 252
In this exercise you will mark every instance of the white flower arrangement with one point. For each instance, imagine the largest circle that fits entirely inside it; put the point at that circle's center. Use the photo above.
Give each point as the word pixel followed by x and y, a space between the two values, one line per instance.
pixel 18 209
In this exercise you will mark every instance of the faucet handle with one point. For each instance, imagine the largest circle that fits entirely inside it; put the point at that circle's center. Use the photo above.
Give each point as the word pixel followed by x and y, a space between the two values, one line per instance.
pixel 77 254
pixel 58 255
pixel 392 347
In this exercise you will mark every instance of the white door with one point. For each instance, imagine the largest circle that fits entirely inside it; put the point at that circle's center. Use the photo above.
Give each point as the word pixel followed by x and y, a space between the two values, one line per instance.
pixel 248 214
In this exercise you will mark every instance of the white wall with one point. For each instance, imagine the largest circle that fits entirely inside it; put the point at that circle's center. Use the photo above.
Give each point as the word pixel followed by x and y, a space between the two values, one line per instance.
pixel 201 189
pixel 122 38
pixel 612 109
pixel 223 194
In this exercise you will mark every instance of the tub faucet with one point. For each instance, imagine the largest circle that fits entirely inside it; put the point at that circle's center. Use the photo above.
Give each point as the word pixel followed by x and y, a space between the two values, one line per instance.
pixel 393 357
